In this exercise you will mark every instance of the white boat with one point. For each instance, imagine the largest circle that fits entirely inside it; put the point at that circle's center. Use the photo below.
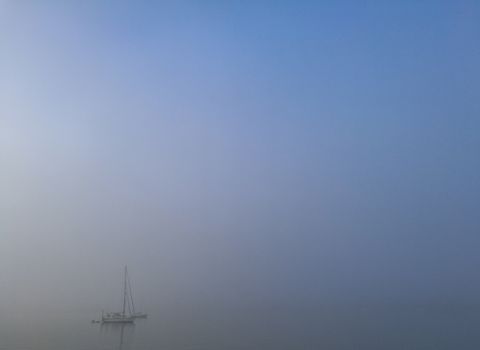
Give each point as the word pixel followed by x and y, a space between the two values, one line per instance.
pixel 119 317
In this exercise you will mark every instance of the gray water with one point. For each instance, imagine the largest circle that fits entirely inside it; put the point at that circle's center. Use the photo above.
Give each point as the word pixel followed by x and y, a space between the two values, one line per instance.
pixel 328 327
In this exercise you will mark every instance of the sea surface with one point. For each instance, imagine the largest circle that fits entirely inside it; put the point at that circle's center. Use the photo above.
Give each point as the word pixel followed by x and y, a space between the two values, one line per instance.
pixel 333 327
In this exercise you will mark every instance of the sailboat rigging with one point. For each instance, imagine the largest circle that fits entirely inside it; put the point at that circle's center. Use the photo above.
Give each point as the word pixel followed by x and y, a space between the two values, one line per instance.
pixel 131 304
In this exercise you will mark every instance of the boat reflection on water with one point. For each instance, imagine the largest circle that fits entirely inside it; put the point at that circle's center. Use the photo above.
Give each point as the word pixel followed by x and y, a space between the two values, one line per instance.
pixel 120 333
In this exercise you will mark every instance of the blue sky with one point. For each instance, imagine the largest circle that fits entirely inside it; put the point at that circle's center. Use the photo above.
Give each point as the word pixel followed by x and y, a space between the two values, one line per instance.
pixel 252 150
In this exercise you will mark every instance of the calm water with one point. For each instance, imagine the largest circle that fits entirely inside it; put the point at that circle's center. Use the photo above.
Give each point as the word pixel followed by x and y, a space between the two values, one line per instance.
pixel 323 328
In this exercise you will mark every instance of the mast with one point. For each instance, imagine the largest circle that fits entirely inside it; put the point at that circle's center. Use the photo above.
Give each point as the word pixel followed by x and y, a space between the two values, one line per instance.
pixel 124 291
pixel 131 294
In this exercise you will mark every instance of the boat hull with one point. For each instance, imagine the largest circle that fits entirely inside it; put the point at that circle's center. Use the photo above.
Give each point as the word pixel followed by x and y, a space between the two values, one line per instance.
pixel 117 317
pixel 118 320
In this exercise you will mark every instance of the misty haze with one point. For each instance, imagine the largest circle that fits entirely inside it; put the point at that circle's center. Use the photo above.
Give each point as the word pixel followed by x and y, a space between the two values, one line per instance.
pixel 273 174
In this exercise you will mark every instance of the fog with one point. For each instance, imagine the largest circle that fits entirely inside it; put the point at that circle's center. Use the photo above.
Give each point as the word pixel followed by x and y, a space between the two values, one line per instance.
pixel 273 155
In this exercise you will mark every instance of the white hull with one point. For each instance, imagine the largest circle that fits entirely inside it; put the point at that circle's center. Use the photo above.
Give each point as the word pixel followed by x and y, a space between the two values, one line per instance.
pixel 117 320
pixel 117 317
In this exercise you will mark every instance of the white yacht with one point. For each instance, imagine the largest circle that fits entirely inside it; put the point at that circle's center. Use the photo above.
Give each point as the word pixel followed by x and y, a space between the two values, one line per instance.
pixel 120 317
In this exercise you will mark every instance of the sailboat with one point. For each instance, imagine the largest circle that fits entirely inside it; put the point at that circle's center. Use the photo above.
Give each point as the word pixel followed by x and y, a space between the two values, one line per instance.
pixel 131 304
pixel 120 317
